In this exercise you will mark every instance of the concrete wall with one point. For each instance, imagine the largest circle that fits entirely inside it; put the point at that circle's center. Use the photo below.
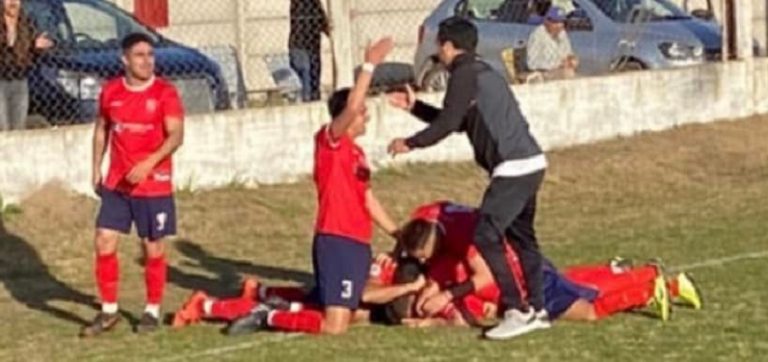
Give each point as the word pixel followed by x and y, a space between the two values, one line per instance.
pixel 274 145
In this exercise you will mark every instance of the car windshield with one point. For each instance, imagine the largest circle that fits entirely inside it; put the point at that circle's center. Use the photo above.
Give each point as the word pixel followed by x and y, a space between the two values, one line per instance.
pixel 628 11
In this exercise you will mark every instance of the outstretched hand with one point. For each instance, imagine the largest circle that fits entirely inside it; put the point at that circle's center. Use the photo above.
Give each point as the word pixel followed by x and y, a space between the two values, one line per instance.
pixel 404 99
pixel 398 146
pixel 376 52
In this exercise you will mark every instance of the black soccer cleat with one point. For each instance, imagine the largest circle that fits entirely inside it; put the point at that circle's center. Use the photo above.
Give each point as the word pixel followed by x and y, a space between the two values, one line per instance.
pixel 104 322
pixel 254 321
pixel 148 323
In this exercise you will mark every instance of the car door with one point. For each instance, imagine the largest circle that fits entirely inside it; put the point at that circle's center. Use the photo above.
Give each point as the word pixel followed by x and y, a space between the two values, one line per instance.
pixel 584 30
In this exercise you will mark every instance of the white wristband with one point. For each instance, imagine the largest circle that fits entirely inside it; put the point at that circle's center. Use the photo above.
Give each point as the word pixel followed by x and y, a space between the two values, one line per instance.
pixel 368 67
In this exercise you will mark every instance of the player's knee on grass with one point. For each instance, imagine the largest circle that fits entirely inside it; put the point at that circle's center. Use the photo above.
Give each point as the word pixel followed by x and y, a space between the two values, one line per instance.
pixel 336 320
pixel 153 249
pixel 106 241
pixel 582 311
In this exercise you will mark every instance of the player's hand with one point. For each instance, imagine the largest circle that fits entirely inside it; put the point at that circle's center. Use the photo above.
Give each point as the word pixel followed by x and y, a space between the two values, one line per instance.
pixel 43 42
pixel 397 147
pixel 426 293
pixel 139 172
pixel 435 304
pixel 418 284
pixel 96 180
pixel 376 52
pixel 404 99
pixel 385 259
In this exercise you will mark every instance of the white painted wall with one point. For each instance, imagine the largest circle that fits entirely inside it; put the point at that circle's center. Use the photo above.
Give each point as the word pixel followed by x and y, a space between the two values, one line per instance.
pixel 274 145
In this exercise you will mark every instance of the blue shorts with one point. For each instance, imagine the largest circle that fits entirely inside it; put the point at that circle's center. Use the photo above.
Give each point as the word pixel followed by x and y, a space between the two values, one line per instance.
pixel 341 271
pixel 560 293
pixel 155 217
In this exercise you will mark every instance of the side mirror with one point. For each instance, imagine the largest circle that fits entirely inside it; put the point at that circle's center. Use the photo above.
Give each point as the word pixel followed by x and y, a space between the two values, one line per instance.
pixel 703 14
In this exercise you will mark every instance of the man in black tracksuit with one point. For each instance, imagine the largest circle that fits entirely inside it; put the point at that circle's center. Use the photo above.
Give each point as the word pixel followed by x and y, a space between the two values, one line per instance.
pixel 480 103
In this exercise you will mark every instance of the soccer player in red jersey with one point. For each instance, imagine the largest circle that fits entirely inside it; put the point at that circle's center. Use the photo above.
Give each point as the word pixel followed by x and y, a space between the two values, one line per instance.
pixel 142 120
pixel 347 207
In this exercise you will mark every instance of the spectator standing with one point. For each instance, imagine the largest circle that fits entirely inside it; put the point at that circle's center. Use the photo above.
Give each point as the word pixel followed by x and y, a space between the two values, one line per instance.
pixel 549 49
pixel 308 22
pixel 19 46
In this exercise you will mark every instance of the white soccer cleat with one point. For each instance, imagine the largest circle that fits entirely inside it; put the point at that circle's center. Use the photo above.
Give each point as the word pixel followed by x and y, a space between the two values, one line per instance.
pixel 516 323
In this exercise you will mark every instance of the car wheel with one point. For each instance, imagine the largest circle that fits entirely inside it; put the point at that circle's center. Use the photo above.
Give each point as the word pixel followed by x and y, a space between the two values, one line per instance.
pixel 435 79
pixel 629 65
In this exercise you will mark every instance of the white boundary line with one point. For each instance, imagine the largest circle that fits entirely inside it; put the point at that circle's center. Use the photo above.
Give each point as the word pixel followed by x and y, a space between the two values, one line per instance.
pixel 284 337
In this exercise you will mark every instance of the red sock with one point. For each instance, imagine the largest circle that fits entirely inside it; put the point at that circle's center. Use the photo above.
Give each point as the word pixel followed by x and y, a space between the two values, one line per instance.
pixel 231 309
pixel 292 294
pixel 674 288
pixel 622 301
pixel 607 282
pixel 154 279
pixel 107 277
pixel 305 321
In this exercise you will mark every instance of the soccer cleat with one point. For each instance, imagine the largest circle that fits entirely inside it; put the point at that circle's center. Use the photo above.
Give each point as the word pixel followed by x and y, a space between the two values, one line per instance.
pixel 254 321
pixel 660 300
pixel 688 293
pixel 192 311
pixel 516 323
pixel 148 323
pixel 250 289
pixel 104 322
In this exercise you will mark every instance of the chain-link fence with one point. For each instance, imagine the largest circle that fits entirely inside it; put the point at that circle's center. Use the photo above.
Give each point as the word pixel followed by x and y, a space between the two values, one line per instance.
pixel 225 54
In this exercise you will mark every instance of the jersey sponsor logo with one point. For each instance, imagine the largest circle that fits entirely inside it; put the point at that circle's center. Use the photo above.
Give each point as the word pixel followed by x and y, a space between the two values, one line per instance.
pixel 116 104
pixel 161 176
pixel 120 127
pixel 346 289
pixel 161 219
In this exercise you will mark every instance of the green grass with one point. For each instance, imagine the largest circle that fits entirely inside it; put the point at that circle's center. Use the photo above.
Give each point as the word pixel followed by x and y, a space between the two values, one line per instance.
pixel 688 195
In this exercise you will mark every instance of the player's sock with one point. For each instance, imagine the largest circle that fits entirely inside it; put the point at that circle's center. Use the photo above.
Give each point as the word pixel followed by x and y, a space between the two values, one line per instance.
pixel 107 279
pixel 153 310
pixel 291 294
pixel 621 301
pixel 305 321
pixel 228 309
pixel 154 279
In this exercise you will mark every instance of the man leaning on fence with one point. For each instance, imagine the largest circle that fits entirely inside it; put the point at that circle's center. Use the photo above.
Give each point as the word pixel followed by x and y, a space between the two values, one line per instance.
pixel 308 22
pixel 549 49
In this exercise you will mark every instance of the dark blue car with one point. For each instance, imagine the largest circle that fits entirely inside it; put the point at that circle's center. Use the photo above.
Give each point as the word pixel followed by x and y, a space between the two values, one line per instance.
pixel 66 82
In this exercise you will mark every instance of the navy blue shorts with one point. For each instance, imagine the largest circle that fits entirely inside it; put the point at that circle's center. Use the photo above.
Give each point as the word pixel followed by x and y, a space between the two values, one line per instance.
pixel 154 217
pixel 560 293
pixel 341 271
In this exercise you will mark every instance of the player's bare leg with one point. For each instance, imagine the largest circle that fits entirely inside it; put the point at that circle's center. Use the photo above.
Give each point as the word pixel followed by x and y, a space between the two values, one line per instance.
pixel 154 278
pixel 581 310
pixel 107 279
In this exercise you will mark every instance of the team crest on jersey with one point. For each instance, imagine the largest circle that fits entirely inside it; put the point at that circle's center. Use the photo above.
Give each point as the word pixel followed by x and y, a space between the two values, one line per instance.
pixel 152 105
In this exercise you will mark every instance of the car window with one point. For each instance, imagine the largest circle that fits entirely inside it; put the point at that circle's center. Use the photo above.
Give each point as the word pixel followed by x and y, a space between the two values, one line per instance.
pixel 508 11
pixel 91 27
pixel 624 11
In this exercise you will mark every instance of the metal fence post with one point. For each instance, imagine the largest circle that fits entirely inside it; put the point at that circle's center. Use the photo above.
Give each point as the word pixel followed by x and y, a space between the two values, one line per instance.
pixel 241 22
pixel 744 34
pixel 341 42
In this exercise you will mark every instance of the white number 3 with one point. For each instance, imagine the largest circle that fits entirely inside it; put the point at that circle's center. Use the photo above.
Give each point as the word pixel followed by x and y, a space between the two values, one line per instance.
pixel 346 289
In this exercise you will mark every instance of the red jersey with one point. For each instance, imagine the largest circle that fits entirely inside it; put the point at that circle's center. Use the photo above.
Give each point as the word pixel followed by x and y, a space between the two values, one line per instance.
pixel 450 264
pixel 342 179
pixel 136 121
pixel 382 273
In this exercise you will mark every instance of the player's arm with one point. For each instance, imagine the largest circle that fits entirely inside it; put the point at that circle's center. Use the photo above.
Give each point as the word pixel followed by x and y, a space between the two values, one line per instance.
pixel 405 99
pixel 481 277
pixel 100 136
pixel 174 129
pixel 379 214
pixel 374 55
pixel 376 293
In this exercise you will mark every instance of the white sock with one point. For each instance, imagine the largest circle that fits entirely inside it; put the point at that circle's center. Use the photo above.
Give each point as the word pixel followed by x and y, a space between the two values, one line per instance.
pixel 153 310
pixel 269 317
pixel 208 306
pixel 109 308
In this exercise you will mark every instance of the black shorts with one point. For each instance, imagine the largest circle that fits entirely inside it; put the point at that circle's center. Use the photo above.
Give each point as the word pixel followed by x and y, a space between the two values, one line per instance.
pixel 341 271
pixel 154 217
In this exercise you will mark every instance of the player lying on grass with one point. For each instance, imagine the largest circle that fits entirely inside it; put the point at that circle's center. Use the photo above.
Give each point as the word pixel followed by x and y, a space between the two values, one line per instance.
pixel 438 236
pixel 289 308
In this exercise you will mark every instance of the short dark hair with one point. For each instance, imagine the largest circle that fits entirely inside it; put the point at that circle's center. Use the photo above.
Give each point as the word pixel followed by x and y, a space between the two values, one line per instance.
pixel 408 271
pixel 460 32
pixel 132 39
pixel 338 102
pixel 416 233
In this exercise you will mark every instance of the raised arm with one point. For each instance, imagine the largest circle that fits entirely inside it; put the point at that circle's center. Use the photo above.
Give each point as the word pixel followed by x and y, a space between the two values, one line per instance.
pixel 100 135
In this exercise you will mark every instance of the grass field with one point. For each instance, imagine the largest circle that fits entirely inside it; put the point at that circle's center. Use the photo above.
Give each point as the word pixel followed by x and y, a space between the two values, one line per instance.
pixel 694 196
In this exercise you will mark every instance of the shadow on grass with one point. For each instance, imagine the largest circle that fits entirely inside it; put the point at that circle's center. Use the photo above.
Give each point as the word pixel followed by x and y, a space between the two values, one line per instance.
pixel 29 281
pixel 226 273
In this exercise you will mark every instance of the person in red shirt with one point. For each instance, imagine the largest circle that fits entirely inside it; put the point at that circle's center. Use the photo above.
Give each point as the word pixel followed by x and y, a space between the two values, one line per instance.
pixel 347 207
pixel 142 120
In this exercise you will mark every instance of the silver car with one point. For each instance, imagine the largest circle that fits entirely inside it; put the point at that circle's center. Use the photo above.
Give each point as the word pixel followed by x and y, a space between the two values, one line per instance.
pixel 607 35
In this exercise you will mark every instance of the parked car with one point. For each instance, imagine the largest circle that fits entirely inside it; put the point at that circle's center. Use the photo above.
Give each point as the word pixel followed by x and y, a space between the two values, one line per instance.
pixel 607 35
pixel 66 81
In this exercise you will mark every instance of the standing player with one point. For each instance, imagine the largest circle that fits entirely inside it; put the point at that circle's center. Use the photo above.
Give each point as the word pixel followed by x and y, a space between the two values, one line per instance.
pixel 341 251
pixel 479 102
pixel 142 118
